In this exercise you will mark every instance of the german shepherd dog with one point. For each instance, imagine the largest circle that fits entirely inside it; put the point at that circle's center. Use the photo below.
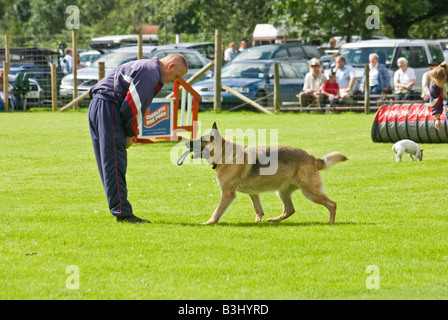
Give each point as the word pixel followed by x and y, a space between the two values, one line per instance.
pixel 240 168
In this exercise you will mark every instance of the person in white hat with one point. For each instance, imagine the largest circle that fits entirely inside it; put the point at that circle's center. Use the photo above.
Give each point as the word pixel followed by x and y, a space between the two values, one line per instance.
pixel 312 85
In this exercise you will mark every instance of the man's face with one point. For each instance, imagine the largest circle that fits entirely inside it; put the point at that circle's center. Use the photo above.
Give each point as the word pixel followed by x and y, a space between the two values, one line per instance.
pixel 340 63
pixel 175 72
pixel 315 68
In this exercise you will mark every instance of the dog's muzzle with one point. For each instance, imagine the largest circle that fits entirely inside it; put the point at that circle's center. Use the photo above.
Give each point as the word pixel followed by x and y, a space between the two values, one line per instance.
pixel 196 147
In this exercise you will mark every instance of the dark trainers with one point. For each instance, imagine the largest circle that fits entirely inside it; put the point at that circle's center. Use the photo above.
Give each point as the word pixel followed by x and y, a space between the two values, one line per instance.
pixel 132 219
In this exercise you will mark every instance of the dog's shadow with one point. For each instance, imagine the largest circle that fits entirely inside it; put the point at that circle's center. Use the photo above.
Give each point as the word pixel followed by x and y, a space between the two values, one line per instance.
pixel 267 224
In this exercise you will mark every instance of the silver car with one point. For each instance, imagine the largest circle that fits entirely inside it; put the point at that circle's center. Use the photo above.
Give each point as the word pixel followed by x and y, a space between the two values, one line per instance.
pixel 87 77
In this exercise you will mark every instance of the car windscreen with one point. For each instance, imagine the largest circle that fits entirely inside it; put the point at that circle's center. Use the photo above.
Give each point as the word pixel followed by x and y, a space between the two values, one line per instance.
pixel 244 70
pixel 359 57
pixel 255 54
pixel 114 59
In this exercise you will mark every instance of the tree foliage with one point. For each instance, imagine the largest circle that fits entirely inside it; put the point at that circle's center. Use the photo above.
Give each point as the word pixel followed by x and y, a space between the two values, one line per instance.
pixel 308 19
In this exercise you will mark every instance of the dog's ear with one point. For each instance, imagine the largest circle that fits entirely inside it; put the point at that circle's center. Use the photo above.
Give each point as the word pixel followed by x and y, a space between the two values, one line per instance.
pixel 215 130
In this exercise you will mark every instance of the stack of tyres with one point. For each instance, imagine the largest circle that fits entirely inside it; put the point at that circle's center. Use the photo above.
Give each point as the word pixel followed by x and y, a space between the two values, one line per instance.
pixel 415 122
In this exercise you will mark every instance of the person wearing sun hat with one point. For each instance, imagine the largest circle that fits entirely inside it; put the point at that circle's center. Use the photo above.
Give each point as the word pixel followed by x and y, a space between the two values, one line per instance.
pixel 438 90
pixel 312 84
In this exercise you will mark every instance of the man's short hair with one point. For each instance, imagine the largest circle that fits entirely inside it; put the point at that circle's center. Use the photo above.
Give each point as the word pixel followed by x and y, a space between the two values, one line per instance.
pixel 178 58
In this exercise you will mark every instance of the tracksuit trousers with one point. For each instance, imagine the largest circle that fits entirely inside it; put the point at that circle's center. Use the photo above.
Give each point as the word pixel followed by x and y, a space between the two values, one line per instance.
pixel 109 143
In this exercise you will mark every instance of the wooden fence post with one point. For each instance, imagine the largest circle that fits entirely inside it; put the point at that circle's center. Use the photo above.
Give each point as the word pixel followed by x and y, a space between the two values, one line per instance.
pixel 218 65
pixel 276 89
pixel 7 55
pixel 140 46
pixel 101 70
pixel 5 74
pixel 54 88
pixel 75 70
pixel 5 85
pixel 367 91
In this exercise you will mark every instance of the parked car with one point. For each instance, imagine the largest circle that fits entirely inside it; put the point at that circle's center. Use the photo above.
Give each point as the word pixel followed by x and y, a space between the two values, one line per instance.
pixel 87 57
pixel 88 77
pixel 444 43
pixel 419 54
pixel 33 98
pixel 253 79
pixel 207 49
pixel 288 51
pixel 36 62
pixel 106 43
pixel 301 66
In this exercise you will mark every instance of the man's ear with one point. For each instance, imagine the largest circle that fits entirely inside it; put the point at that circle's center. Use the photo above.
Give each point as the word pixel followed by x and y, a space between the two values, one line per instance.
pixel 171 65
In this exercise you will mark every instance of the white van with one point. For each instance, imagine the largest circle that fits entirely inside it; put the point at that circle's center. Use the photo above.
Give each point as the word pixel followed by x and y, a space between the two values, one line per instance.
pixel 419 54
pixel 106 43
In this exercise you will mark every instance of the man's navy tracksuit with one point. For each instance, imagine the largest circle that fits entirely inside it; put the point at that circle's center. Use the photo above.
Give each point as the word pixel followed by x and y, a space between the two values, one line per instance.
pixel 118 101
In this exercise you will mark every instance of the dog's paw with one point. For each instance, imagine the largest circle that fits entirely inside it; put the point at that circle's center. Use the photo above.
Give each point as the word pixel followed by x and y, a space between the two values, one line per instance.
pixel 210 222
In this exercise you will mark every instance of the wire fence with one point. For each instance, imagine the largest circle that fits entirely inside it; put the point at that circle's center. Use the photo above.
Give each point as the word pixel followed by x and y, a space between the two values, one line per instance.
pixel 41 61
pixel 34 55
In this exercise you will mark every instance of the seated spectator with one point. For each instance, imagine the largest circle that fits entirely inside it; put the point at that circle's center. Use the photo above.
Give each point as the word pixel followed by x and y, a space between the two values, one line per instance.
pixel 345 77
pixel 404 80
pixel 330 89
pixel 312 85
pixel 379 79
pixel 426 79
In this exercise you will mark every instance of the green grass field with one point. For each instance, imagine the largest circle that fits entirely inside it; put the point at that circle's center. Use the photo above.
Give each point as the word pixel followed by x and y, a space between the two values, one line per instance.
pixel 54 215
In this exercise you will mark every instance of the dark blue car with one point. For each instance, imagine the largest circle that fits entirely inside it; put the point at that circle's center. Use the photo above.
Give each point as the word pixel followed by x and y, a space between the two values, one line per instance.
pixel 255 80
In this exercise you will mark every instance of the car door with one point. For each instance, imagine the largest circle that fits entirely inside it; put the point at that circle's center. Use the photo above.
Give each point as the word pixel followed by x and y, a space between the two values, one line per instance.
pixel 286 81
pixel 292 82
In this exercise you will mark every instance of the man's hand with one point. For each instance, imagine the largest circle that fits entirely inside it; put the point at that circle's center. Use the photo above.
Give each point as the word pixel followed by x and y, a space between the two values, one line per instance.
pixel 130 141
pixel 437 124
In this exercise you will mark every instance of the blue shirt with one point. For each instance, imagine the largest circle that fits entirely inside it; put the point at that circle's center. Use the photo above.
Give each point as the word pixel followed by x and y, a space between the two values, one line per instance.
pixel 343 76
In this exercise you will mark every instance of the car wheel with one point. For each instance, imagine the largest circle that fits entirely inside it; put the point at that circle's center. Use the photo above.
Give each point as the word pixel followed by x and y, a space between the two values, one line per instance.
pixel 261 98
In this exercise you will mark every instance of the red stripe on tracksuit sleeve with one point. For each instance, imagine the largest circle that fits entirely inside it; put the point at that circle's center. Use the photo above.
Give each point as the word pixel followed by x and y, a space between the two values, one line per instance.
pixel 131 103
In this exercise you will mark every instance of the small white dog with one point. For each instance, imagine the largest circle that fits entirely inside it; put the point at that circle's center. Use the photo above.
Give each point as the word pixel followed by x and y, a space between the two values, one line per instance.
pixel 410 147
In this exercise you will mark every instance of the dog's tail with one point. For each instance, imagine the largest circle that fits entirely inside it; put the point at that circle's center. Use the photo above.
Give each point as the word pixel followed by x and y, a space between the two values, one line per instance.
pixel 331 159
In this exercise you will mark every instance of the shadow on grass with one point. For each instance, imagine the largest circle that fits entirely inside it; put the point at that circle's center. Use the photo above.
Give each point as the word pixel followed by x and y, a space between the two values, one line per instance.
pixel 266 224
